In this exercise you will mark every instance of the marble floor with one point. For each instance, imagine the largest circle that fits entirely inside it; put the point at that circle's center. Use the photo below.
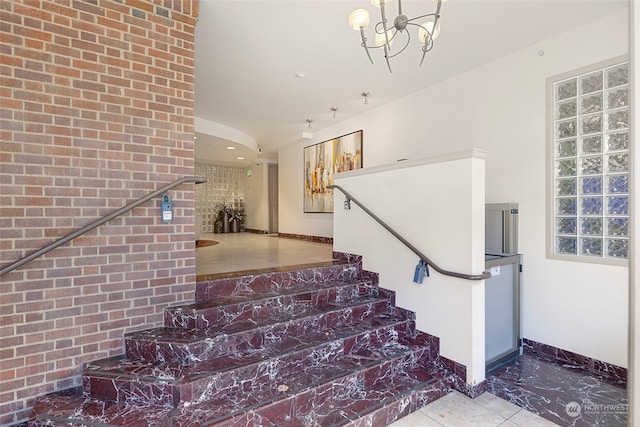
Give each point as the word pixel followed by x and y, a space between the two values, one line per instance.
pixel 567 394
pixel 247 251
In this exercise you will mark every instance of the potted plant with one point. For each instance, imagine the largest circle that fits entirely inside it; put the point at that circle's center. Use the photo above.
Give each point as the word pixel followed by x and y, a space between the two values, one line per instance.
pixel 236 219
pixel 224 212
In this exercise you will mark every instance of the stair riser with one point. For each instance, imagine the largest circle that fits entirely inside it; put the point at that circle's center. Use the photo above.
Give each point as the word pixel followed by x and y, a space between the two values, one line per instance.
pixel 150 350
pixel 274 281
pixel 313 408
pixel 368 373
pixel 321 347
pixel 206 317
pixel 383 414
pixel 136 392
pixel 66 411
pixel 170 393
pixel 281 411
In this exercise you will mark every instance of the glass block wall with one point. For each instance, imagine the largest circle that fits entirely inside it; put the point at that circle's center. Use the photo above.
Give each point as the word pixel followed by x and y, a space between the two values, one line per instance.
pixel 224 184
pixel 591 164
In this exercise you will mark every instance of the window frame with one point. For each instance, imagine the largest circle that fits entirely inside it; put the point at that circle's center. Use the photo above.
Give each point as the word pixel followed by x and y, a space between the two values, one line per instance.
pixel 550 115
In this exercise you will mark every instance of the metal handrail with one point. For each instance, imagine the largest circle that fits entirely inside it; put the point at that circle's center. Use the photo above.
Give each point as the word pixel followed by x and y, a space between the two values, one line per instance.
pixel 96 223
pixel 485 274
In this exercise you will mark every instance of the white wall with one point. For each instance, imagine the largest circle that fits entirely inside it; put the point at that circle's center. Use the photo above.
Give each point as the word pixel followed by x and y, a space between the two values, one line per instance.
pixel 446 223
pixel 291 218
pixel 256 200
pixel 500 107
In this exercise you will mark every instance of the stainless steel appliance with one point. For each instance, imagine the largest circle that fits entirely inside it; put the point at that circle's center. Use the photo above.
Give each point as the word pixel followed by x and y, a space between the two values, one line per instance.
pixel 503 339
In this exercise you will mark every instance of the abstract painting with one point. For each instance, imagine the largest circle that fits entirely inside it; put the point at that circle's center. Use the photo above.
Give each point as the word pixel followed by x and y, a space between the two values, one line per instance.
pixel 321 162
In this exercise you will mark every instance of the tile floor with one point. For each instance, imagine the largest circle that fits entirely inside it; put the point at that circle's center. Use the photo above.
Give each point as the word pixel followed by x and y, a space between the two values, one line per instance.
pixel 457 410
pixel 247 251
pixel 551 388
pixel 250 251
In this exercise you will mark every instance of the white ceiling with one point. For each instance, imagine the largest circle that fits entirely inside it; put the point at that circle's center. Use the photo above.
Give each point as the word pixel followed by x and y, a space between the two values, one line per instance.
pixel 249 51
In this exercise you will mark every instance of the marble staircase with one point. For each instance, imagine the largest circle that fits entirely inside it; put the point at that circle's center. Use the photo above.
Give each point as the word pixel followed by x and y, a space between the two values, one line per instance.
pixel 319 346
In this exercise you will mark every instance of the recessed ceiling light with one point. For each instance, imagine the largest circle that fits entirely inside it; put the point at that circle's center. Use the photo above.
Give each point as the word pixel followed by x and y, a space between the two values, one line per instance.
pixel 231 148
pixel 240 158
pixel 300 74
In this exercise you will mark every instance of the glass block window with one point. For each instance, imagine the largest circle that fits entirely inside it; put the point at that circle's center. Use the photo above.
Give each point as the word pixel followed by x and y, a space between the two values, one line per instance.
pixel 225 185
pixel 590 163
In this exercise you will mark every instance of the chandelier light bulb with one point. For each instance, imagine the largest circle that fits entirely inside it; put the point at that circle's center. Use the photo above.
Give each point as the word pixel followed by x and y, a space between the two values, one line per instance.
pixel 425 29
pixel 380 39
pixel 359 18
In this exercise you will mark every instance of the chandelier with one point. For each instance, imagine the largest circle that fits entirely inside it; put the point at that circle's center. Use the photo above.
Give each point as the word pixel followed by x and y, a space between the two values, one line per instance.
pixel 386 35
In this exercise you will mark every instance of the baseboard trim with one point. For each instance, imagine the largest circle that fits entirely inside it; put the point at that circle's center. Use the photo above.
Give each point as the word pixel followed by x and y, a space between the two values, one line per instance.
pixel 315 239
pixel 605 369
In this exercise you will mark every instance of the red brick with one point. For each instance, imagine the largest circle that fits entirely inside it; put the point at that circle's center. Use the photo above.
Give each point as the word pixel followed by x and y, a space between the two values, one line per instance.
pixel 63 57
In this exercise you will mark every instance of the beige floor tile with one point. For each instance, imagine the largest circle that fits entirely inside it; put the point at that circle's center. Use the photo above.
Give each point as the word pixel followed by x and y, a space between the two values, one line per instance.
pixel 457 410
pixel 416 419
pixel 497 405
pixel 508 423
pixel 528 419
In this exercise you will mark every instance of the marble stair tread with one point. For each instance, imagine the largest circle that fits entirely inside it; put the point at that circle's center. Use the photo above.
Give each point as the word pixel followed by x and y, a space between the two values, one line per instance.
pixel 166 373
pixel 196 344
pixel 348 405
pixel 320 346
pixel 64 411
pixel 175 388
pixel 246 294
pixel 253 305
pixel 276 281
pixel 324 406
pixel 343 400
pixel 120 378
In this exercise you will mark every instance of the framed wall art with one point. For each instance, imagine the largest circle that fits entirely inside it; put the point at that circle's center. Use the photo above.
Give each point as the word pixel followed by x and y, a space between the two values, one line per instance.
pixel 322 161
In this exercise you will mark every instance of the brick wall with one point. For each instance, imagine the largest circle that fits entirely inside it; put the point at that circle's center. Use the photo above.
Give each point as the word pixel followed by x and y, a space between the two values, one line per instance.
pixel 96 110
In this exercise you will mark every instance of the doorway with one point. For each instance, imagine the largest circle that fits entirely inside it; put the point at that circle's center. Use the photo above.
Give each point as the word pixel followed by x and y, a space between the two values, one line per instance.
pixel 272 176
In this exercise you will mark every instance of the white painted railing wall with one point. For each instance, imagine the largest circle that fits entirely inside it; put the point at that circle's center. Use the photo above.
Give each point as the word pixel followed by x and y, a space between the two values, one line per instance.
pixel 437 204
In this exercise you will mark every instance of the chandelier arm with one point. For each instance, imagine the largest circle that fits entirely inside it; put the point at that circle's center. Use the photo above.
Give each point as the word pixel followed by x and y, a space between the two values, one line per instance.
pixel 404 47
pixel 400 24
pixel 364 44
pixel 386 56
pixel 424 54
pixel 428 40
pixel 436 17
pixel 388 64
pixel 438 6
pixel 384 27
pixel 386 36
pixel 382 45
pixel 428 45
pixel 422 16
